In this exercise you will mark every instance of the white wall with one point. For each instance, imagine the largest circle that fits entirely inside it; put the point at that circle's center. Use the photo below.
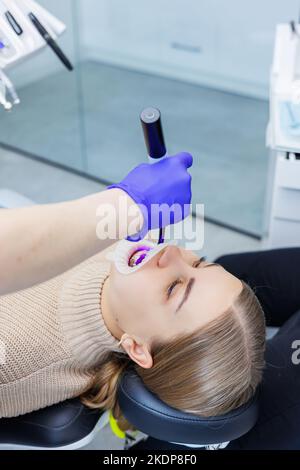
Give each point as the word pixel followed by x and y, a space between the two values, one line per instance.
pixel 45 62
pixel 222 43
pixel 226 44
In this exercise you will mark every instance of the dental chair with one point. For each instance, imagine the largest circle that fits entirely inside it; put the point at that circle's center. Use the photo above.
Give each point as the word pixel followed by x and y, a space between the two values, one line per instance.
pixel 70 425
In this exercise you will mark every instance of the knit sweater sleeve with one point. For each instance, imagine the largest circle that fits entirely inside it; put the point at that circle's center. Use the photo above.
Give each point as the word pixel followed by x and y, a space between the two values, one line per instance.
pixel 52 336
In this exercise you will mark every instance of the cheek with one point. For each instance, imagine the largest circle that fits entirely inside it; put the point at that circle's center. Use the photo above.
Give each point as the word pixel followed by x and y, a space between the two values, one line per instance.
pixel 137 302
pixel 130 291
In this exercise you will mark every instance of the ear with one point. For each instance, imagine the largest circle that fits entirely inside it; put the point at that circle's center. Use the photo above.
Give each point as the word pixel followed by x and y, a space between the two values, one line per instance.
pixel 138 351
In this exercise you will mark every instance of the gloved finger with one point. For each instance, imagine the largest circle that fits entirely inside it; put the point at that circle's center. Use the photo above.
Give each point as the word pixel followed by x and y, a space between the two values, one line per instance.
pixel 138 236
pixel 134 238
pixel 185 158
pixel 145 228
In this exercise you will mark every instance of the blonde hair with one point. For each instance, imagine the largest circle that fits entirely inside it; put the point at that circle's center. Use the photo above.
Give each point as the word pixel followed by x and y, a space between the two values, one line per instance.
pixel 208 372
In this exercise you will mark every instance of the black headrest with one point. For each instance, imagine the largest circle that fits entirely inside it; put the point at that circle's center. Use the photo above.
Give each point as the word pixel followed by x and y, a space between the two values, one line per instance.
pixel 150 415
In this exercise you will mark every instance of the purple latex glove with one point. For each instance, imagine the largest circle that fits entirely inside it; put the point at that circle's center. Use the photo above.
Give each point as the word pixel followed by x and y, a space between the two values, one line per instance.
pixel 165 183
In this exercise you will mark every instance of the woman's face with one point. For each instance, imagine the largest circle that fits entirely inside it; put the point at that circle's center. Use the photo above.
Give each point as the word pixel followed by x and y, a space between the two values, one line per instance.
pixel 173 293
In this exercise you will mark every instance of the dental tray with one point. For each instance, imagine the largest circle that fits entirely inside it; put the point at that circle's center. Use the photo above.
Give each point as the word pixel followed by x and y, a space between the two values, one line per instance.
pixel 18 36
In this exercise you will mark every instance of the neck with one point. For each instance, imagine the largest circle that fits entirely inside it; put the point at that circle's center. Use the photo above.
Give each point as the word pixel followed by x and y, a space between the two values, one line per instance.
pixel 110 320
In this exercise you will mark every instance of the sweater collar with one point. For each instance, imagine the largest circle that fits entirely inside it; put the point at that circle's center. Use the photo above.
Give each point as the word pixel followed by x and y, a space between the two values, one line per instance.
pixel 80 314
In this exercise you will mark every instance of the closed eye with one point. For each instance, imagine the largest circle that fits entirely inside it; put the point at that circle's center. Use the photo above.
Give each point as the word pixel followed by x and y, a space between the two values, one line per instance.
pixel 196 264
pixel 172 286
pixel 199 261
pixel 191 283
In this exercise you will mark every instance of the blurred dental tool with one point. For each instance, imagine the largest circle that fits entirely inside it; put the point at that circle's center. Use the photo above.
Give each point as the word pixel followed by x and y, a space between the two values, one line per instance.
pixel 294 29
pixel 9 87
pixel 155 143
pixel 10 19
pixel 3 101
pixel 13 23
pixel 50 41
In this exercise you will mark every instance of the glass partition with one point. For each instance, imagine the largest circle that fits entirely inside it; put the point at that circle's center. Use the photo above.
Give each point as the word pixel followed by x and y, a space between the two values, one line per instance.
pixel 47 123
pixel 209 77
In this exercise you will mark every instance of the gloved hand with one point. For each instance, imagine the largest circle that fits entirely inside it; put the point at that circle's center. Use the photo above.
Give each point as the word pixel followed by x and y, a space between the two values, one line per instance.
pixel 163 184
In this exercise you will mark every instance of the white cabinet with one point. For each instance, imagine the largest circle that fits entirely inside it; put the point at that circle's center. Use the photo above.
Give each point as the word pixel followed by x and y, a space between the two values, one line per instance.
pixel 287 204
pixel 285 233
pixel 283 201
pixel 284 216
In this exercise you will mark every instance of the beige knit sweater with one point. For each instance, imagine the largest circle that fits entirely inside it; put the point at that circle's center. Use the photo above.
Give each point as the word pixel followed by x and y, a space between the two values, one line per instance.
pixel 51 337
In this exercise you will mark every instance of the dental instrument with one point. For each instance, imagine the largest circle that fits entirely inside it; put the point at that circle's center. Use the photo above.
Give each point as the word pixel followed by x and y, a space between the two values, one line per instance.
pixel 6 88
pixel 129 257
pixel 3 101
pixel 13 23
pixel 10 87
pixel 11 19
pixel 50 41
pixel 19 36
pixel 155 143
pixel 293 27
pixel 153 134
pixel 7 49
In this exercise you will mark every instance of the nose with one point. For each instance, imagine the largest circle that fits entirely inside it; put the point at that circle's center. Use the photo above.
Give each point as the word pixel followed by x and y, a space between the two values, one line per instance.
pixel 169 256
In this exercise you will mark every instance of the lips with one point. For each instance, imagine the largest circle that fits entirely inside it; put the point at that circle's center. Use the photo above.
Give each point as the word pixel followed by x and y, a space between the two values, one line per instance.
pixel 139 254
pixel 129 257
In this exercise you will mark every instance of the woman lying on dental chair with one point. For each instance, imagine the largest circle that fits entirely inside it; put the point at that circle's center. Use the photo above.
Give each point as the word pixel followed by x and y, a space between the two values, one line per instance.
pixel 195 332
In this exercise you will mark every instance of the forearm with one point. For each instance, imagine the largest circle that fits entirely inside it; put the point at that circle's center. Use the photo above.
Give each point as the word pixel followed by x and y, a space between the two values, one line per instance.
pixel 40 242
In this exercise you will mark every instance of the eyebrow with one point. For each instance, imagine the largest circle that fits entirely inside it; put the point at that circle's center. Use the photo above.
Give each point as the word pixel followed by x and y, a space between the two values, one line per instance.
pixel 190 286
pixel 212 264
